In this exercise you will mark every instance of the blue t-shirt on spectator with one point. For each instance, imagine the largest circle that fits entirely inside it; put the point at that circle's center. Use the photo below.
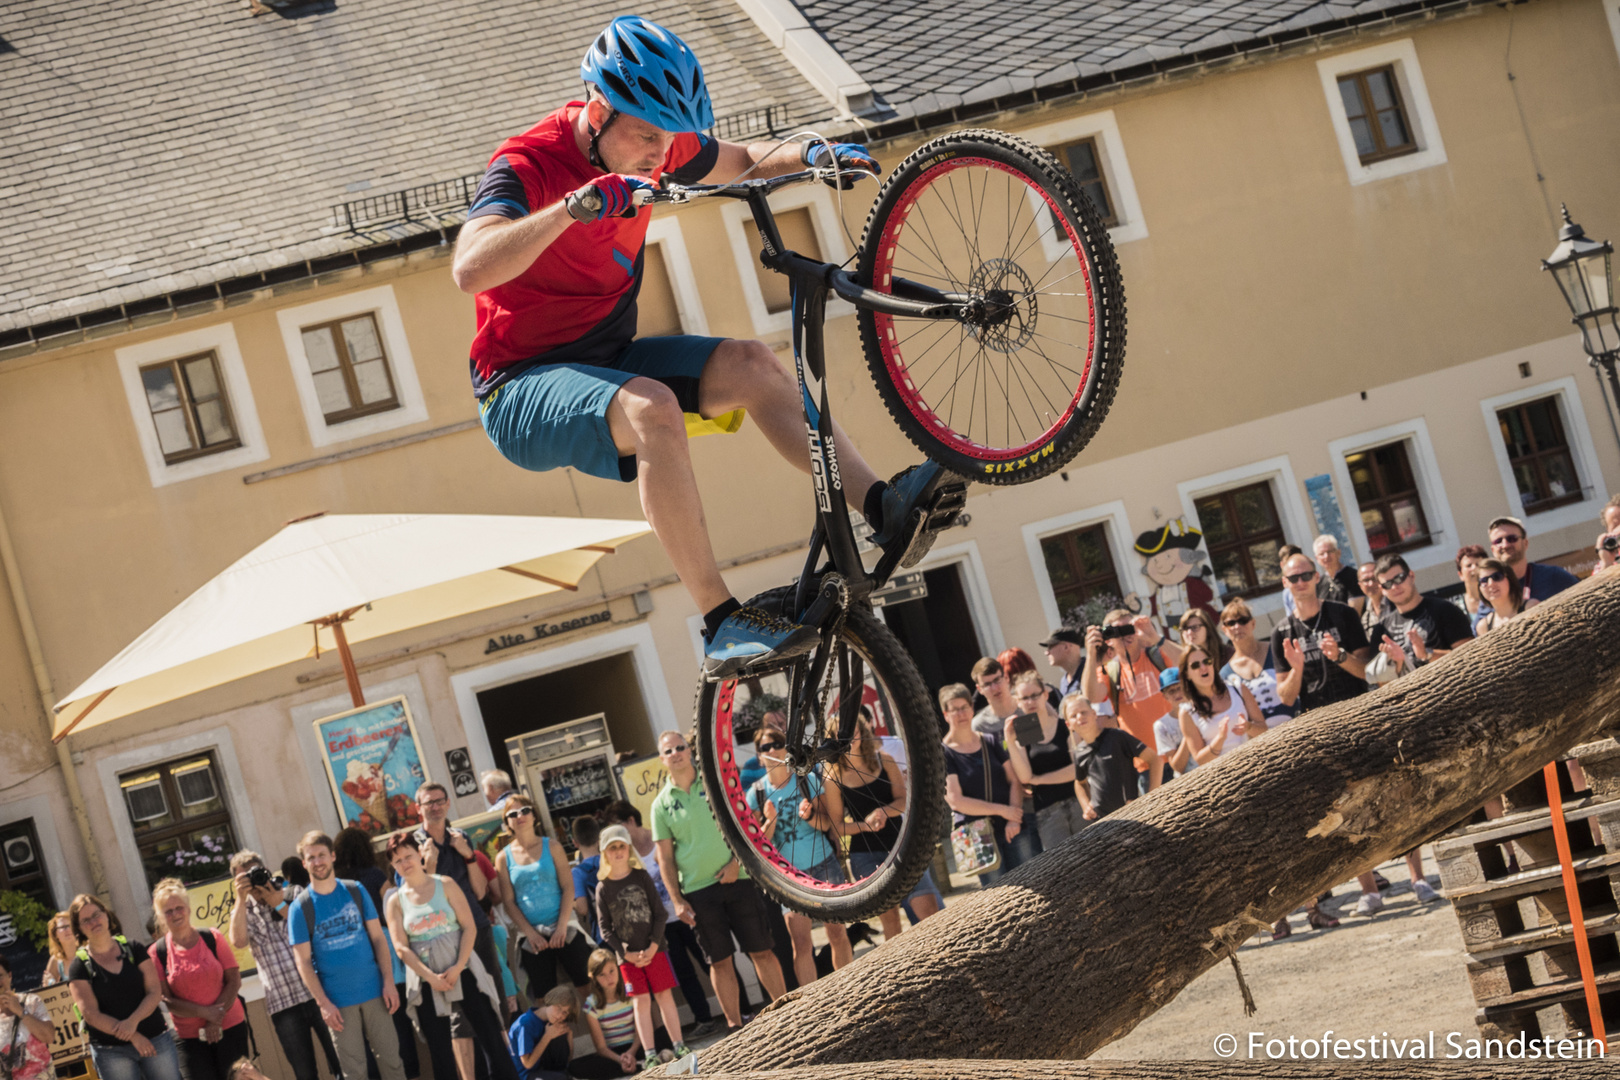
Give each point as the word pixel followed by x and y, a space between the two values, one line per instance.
pixel 804 845
pixel 585 885
pixel 526 1033
pixel 341 949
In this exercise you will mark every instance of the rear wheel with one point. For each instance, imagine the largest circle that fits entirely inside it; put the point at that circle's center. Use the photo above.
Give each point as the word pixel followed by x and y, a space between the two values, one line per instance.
pixel 1016 388
pixel 867 661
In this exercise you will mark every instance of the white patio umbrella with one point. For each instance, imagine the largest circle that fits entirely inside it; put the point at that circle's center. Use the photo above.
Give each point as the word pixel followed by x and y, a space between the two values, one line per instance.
pixel 328 580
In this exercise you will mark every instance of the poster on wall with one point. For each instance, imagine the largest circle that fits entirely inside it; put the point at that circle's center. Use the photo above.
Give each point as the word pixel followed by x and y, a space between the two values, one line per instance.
pixel 68 1042
pixel 1329 519
pixel 641 781
pixel 374 763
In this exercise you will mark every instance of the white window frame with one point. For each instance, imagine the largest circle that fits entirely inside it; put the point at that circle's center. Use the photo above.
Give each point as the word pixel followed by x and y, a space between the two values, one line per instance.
pixel 1296 523
pixel 52 853
pixel 221 341
pixel 744 239
pixel 382 303
pixel 1402 57
pixel 236 800
pixel 665 232
pixel 1116 173
pixel 1581 448
pixel 1431 489
pixel 1121 540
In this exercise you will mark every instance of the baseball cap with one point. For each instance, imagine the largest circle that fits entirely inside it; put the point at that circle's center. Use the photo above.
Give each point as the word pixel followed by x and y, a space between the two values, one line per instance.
pixel 615 834
pixel 1506 520
pixel 1065 633
pixel 1167 678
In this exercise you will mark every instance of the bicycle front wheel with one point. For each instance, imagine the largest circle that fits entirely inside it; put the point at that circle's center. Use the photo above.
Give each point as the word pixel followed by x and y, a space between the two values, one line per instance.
pixel 1014 390
pixel 866 660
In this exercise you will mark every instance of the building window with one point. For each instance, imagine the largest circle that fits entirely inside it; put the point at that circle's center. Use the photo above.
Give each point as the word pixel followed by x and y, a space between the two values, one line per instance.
pixel 350 368
pixel 1082 160
pixel 1386 491
pixel 22 868
pixel 1537 449
pixel 181 823
pixel 1378 121
pixel 1080 566
pixel 657 312
pixel 1243 532
pixel 189 407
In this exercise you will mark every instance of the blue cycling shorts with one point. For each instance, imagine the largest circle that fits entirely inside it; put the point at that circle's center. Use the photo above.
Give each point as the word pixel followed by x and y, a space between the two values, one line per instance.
pixel 555 415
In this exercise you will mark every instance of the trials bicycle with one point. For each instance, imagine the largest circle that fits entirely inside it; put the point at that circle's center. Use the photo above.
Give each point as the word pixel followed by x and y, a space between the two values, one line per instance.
pixel 992 318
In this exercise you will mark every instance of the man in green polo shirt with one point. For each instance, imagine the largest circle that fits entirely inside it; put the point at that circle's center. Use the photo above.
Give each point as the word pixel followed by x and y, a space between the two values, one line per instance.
pixel 710 891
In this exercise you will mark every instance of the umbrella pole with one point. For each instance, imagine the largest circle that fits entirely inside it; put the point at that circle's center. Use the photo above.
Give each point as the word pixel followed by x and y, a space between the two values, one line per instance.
pixel 349 672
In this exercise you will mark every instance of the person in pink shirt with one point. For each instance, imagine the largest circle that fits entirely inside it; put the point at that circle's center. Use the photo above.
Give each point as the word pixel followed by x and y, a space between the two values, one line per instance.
pixel 200 979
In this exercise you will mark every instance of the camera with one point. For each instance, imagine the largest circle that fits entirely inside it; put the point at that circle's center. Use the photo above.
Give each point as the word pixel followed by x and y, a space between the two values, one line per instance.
pixel 259 878
pixel 1611 543
pixel 1113 633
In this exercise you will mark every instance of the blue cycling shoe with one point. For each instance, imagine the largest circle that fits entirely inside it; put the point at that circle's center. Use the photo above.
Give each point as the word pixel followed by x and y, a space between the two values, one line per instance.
pixel 751 638
pixel 918 504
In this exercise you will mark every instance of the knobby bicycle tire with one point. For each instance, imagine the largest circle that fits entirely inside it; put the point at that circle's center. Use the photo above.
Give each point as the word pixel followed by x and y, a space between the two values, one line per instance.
pixel 905 708
pixel 1015 392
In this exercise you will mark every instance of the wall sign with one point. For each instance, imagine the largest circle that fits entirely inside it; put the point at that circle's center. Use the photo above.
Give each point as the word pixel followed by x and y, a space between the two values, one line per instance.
pixel 641 781
pixel 374 764
pixel 462 779
pixel 211 904
pixel 1325 506
pixel 68 1044
pixel 545 630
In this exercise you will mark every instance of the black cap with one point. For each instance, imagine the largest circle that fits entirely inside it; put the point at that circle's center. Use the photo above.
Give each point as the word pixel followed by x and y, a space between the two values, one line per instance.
pixel 1065 633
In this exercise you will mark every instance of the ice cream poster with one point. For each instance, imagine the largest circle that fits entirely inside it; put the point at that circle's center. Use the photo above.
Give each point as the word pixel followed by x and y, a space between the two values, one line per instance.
pixel 375 765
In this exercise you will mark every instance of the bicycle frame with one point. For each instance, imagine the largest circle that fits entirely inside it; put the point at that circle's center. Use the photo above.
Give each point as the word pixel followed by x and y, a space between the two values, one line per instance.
pixel 833 534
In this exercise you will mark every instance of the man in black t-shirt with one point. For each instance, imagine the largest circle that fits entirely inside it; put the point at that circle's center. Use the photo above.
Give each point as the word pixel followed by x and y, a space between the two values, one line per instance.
pixel 1320 650
pixel 1420 628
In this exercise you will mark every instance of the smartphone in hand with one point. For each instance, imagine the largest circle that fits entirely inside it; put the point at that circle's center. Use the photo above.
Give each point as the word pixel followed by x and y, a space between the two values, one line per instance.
pixel 1027 729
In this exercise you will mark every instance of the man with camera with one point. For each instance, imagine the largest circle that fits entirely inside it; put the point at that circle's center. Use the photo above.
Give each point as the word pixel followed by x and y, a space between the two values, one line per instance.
pixel 1129 682
pixel 259 922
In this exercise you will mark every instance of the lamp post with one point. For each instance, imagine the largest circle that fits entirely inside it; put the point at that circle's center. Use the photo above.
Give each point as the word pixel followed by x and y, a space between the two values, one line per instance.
pixel 1581 268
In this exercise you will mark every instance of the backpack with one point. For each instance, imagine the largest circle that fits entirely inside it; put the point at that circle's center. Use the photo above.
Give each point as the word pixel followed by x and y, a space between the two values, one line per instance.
pixel 160 949
pixel 1113 669
pixel 306 906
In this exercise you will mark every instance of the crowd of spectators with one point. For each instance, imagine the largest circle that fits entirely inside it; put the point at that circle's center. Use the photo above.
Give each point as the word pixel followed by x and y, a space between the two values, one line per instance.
pixel 358 956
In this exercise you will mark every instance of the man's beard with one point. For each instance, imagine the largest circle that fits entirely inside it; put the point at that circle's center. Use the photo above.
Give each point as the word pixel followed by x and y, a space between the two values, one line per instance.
pixel 322 874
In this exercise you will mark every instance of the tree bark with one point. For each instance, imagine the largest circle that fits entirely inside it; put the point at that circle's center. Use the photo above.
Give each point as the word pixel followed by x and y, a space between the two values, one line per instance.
pixel 1186 1070
pixel 1076 948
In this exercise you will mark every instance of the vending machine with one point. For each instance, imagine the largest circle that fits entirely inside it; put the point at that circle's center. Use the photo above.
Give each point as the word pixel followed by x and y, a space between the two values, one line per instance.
pixel 567 769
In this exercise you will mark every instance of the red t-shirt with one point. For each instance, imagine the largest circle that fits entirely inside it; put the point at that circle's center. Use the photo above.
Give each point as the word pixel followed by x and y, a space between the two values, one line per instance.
pixel 577 301
pixel 198 976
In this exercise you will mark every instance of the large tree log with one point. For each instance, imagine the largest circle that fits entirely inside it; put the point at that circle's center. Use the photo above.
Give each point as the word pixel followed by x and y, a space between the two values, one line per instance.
pixel 1189 1070
pixel 1078 947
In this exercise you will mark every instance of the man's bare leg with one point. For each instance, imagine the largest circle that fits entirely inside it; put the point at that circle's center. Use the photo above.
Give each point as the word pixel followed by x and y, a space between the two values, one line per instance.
pixel 646 421
pixel 747 375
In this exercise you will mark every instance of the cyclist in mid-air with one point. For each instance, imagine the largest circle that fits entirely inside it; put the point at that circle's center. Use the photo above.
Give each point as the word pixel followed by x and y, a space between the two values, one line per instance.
pixel 552 248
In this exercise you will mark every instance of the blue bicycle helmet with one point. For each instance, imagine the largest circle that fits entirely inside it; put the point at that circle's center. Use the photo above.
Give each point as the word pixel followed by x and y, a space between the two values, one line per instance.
pixel 649 73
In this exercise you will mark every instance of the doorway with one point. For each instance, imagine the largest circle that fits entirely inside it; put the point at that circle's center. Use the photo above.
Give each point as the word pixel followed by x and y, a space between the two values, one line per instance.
pixel 937 630
pixel 607 685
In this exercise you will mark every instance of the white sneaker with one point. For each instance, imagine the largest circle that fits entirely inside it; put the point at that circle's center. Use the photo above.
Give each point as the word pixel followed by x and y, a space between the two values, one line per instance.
pixel 1423 892
pixel 1371 903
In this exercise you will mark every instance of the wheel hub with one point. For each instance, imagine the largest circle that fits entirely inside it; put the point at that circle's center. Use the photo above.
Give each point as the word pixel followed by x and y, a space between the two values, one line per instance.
pixel 1003 310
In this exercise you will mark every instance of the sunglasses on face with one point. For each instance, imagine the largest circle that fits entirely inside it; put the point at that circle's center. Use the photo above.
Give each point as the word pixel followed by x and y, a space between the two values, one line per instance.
pixel 1396 581
pixel 1300 579
pixel 679 748
pixel 1492 578
pixel 434 802
pixel 1199 665
pixel 1240 620
pixel 767 747
pixel 519 812
pixel 1506 541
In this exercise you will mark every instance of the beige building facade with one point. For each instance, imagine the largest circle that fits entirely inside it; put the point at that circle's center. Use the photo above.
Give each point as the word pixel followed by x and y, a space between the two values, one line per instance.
pixel 1310 336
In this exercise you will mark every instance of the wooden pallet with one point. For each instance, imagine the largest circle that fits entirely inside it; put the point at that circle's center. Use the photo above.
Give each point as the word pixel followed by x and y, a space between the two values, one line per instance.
pixel 1526 1012
pixel 1473 858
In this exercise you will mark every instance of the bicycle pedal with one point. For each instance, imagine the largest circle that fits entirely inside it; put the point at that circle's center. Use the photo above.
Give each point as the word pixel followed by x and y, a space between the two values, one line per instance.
pixel 928 522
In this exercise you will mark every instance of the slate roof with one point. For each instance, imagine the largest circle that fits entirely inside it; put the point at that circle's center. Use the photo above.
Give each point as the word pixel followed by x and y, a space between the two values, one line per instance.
pixel 153 147
pixel 929 57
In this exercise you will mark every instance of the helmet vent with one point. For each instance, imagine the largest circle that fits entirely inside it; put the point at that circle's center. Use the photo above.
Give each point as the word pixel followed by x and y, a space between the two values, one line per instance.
pixel 652 91
pixel 617 86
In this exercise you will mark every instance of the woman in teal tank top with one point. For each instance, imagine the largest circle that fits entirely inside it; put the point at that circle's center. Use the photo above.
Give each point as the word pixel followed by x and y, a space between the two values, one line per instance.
pixel 447 989
pixel 537 887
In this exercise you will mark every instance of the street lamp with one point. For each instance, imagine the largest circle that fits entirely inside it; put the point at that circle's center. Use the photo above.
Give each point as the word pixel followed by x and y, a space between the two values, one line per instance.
pixel 1581 268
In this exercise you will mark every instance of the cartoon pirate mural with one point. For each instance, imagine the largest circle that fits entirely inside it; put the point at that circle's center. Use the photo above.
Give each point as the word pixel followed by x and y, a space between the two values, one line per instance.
pixel 1172 562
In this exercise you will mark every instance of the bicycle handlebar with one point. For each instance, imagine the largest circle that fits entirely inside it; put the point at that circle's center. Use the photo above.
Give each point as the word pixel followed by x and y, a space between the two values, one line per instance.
pixel 685 193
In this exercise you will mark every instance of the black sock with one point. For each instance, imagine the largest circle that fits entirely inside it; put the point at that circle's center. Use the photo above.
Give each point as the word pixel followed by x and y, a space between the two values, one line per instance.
pixel 712 621
pixel 872 505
